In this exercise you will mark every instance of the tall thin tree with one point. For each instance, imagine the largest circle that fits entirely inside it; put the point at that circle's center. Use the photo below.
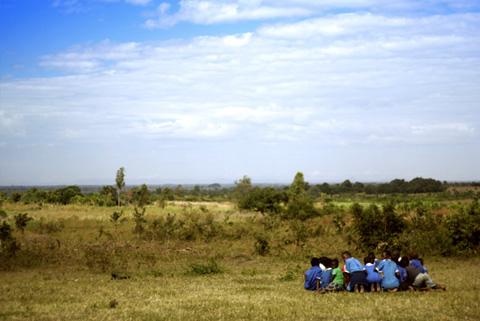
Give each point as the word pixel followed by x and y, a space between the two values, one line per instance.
pixel 120 180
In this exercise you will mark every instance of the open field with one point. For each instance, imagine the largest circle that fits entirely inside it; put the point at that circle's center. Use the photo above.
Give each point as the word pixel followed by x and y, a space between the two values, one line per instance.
pixel 248 290
pixel 203 265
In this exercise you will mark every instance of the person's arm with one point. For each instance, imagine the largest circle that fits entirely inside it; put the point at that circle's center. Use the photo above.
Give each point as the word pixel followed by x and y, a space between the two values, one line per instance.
pixel 318 285
pixel 305 275
pixel 365 272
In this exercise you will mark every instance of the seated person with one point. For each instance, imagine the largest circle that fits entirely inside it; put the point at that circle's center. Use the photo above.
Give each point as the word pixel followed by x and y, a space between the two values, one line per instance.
pixel 327 274
pixel 373 277
pixel 336 280
pixel 419 279
pixel 355 277
pixel 416 263
pixel 389 268
pixel 402 277
pixel 312 275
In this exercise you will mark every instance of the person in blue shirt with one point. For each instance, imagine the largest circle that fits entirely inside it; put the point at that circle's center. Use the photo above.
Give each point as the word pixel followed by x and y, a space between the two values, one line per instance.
pixel 355 277
pixel 390 271
pixel 373 277
pixel 402 274
pixel 312 275
pixel 327 274
pixel 415 262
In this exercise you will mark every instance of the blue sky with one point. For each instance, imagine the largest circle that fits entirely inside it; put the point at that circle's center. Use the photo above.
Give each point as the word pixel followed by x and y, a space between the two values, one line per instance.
pixel 208 91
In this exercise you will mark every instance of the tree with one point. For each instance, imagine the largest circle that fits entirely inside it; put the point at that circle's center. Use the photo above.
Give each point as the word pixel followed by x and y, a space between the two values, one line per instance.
pixel 299 205
pixel 120 181
pixel 108 195
pixel 178 191
pixel 143 196
pixel 166 196
pixel 242 189
pixel 65 194
pixel 264 200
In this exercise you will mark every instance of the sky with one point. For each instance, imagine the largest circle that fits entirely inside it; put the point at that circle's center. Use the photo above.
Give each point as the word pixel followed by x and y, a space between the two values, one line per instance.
pixel 203 91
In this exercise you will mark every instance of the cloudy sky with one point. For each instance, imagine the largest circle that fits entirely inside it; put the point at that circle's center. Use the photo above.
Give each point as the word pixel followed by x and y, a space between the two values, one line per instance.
pixel 208 91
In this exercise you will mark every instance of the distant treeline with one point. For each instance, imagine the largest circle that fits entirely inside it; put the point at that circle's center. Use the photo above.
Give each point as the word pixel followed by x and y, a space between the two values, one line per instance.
pixel 143 195
pixel 416 185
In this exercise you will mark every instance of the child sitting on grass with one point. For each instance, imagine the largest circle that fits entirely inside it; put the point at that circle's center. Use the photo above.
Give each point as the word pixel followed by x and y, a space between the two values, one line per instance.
pixel 390 281
pixel 355 277
pixel 416 262
pixel 402 277
pixel 313 275
pixel 420 279
pixel 326 275
pixel 336 281
pixel 373 277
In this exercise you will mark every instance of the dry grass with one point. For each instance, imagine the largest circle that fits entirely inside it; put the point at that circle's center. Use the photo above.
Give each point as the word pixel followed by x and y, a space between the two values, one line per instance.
pixel 55 294
pixel 73 282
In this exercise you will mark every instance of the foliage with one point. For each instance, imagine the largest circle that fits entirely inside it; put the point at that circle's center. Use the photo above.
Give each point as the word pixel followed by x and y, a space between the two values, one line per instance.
pixel 139 219
pixel 21 221
pixel 242 188
pixel 116 218
pixel 8 244
pixel 262 246
pixel 264 200
pixel 375 227
pixel 66 194
pixel 120 182
pixel 464 227
pixel 165 196
pixel 299 205
pixel 204 269
pixel 108 195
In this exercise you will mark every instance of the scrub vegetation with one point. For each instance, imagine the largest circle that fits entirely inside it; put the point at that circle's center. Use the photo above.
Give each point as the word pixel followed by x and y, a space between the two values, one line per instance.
pixel 209 252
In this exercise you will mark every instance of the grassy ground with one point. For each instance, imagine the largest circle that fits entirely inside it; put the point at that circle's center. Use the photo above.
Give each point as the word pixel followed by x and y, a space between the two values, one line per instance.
pixel 248 290
pixel 73 281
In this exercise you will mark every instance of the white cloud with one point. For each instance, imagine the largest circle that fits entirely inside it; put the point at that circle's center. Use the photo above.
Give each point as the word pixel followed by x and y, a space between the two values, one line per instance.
pixel 288 90
pixel 229 11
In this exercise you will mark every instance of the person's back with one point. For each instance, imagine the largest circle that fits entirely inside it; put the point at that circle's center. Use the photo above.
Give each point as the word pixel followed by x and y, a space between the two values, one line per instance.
pixel 325 279
pixel 389 269
pixel 373 277
pixel 311 276
pixel 357 281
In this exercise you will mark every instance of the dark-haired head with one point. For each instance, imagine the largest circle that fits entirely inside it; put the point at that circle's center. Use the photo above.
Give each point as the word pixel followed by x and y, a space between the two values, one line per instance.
pixel 404 262
pixel 315 261
pixel 367 259
pixel 334 263
pixel 395 255
pixel 413 256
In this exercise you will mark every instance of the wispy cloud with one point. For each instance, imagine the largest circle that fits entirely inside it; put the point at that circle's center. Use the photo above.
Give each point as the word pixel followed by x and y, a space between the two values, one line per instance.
pixel 287 90
pixel 228 11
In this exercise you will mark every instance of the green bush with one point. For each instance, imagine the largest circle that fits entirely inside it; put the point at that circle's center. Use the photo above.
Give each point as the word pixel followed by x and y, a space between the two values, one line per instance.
pixel 204 269
pixel 375 227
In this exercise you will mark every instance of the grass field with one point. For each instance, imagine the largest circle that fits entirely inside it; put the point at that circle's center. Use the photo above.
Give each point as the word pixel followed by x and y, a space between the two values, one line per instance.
pixel 206 278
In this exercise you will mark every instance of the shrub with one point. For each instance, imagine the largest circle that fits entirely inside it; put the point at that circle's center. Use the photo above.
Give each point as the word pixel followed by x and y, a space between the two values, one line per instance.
pixel 205 269
pixel 464 227
pixel 8 244
pixel 375 228
pixel 21 221
pixel 262 246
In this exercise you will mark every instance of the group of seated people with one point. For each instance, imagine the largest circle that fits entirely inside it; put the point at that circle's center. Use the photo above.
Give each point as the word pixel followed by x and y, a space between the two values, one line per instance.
pixel 393 273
